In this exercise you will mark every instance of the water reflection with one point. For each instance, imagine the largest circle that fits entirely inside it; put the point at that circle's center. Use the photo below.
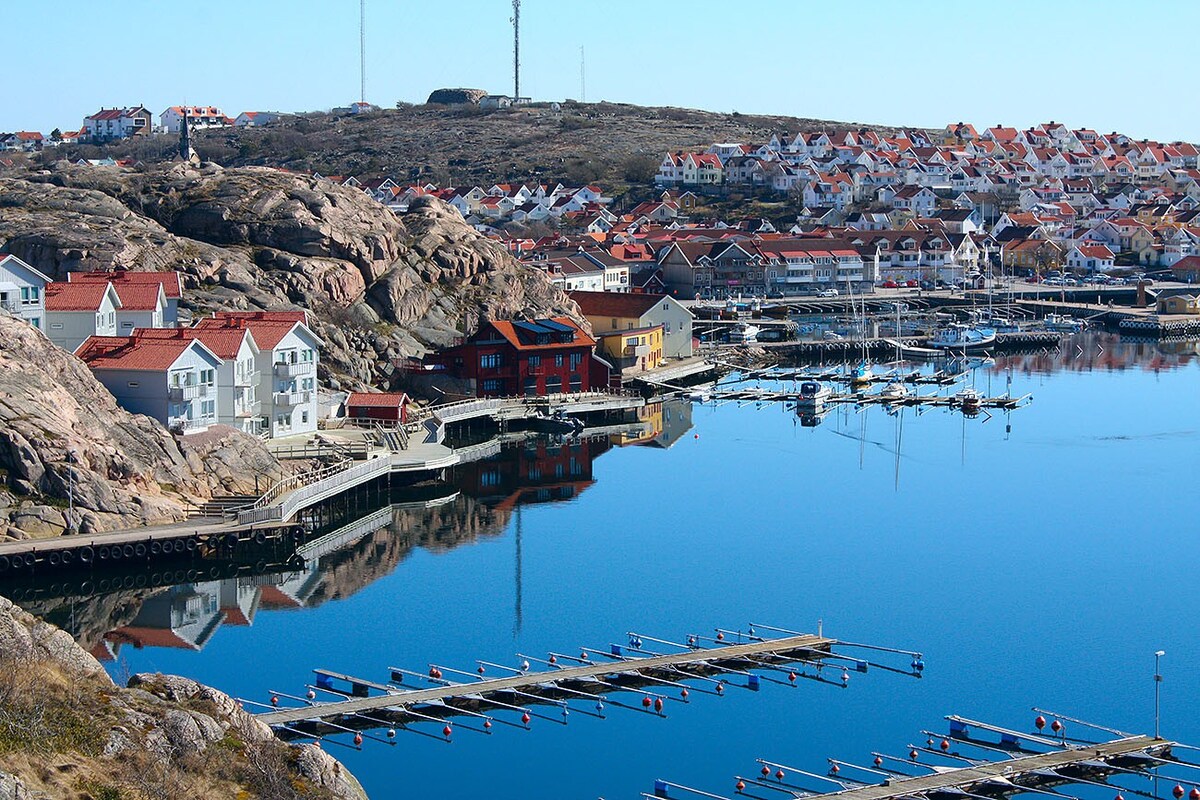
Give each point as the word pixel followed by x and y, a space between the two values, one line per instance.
pixel 358 538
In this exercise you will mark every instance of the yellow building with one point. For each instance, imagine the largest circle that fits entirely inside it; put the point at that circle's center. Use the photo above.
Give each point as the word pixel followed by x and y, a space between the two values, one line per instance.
pixel 1179 304
pixel 633 350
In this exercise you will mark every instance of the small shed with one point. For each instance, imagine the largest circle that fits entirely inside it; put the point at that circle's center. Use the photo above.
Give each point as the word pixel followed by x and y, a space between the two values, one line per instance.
pixel 1179 304
pixel 381 406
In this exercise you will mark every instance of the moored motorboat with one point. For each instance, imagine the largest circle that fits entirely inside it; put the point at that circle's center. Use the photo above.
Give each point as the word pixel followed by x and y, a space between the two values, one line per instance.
pixel 959 336
pixel 743 334
pixel 895 391
pixel 1063 323
pixel 813 394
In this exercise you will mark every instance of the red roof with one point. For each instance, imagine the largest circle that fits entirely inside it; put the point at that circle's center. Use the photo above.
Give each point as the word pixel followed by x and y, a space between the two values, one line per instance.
pixel 62 296
pixel 138 353
pixel 614 304
pixel 140 637
pixel 376 400
pixel 168 280
pixel 137 296
pixel 268 327
pixel 505 328
pixel 224 342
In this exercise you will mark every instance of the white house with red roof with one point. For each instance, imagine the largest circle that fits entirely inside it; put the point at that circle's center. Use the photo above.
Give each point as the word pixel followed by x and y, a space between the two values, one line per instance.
pixel 75 311
pixel 23 290
pixel 252 119
pixel 1090 258
pixel 289 353
pixel 197 117
pixel 172 379
pixel 237 376
pixel 149 299
pixel 118 123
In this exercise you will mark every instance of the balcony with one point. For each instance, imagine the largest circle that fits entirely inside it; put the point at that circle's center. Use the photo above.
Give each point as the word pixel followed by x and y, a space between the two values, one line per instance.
pixel 251 409
pixel 636 350
pixel 284 369
pixel 296 398
pixel 194 391
pixel 248 379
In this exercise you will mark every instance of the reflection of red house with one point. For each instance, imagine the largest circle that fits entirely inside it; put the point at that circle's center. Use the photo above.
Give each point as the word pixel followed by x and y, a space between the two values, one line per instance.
pixel 537 472
pixel 383 406
pixel 533 357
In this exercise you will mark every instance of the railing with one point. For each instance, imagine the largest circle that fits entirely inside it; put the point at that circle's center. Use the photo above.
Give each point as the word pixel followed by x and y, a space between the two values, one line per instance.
pixel 248 379
pixel 249 410
pixel 291 398
pixel 190 392
pixel 297 490
pixel 285 369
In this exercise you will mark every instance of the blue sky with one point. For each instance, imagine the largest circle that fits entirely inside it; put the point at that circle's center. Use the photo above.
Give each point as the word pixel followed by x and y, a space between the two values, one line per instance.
pixel 1098 64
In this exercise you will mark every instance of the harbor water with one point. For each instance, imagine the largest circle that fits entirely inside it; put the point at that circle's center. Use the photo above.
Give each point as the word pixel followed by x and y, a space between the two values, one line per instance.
pixel 1039 558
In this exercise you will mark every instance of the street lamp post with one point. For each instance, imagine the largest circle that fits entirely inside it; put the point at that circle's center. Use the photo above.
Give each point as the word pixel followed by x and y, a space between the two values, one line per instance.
pixel 1157 685
pixel 70 487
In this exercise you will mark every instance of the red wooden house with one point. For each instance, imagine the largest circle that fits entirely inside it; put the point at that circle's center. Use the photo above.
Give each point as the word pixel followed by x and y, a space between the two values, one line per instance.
pixel 381 406
pixel 531 357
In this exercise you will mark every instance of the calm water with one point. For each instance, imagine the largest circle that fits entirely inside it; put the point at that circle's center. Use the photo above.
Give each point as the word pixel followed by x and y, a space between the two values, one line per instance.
pixel 1036 559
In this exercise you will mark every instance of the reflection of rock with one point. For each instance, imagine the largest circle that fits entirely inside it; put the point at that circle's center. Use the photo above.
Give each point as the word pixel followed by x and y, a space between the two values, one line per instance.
pixel 461 521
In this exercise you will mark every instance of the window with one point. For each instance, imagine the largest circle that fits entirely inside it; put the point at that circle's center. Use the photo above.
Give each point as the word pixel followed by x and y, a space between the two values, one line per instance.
pixel 490 360
pixel 304 416
pixel 534 361
pixel 55 326
pixel 531 383
pixel 576 383
pixel 133 384
pixel 492 386
pixel 576 360
pixel 554 384
pixel 208 408
pixel 558 360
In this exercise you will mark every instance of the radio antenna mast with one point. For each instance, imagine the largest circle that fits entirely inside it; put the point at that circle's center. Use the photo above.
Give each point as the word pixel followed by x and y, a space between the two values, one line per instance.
pixel 362 50
pixel 516 22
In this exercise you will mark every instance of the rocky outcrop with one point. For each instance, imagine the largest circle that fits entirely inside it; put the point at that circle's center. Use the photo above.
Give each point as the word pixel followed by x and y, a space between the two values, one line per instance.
pixel 380 287
pixel 62 434
pixel 163 736
pixel 450 97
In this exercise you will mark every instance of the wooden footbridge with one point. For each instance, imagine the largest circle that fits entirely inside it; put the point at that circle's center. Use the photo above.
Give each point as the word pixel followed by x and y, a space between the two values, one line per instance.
pixel 671 673
pixel 978 761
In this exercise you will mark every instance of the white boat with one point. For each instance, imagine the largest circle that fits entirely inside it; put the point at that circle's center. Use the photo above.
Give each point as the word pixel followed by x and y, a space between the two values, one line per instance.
pixel 1061 322
pixel 813 394
pixel 957 336
pixel 895 391
pixel 862 374
pixel 743 333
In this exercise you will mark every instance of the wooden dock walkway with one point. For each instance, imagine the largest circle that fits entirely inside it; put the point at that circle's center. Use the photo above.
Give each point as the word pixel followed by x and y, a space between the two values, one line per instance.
pixel 588 679
pixel 1010 771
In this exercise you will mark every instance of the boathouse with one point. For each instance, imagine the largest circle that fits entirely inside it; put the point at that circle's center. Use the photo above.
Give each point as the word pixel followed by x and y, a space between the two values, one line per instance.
pixel 530 357
pixel 378 406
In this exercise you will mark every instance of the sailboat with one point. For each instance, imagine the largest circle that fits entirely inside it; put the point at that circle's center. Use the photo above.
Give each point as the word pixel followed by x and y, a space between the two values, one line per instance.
pixel 862 374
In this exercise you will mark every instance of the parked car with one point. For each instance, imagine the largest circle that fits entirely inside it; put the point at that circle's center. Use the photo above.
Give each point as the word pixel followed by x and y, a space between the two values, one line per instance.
pixel 911 284
pixel 889 285
pixel 827 293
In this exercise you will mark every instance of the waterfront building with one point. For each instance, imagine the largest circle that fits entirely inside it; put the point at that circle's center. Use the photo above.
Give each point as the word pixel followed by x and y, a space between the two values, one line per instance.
pixel 385 407
pixel 611 311
pixel 635 350
pixel 23 290
pixel 172 380
pixel 531 357
pixel 287 362
pixel 238 379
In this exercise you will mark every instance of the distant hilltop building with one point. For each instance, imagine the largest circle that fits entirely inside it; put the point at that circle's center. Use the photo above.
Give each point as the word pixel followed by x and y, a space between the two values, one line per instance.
pixel 456 97
pixel 250 119
pixel 117 123
pixel 197 117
